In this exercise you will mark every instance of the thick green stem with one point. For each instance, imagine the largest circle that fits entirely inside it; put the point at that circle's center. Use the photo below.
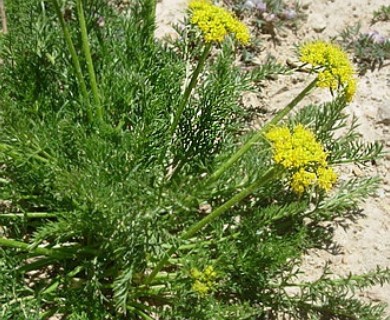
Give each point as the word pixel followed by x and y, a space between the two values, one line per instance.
pixel 39 251
pixel 272 172
pixel 88 58
pixel 57 253
pixel 257 136
pixel 189 88
pixel 75 59
pixel 29 215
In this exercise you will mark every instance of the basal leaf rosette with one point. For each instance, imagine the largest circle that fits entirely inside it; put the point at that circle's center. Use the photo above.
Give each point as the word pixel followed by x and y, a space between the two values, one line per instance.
pixel 336 70
pixel 216 23
pixel 303 158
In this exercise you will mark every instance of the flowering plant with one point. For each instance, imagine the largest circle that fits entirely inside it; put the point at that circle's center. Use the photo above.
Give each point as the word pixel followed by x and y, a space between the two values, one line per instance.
pixel 130 192
pixel 336 69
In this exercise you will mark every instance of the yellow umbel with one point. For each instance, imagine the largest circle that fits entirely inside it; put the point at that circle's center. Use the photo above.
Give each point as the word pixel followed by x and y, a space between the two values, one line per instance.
pixel 303 157
pixel 216 23
pixel 337 70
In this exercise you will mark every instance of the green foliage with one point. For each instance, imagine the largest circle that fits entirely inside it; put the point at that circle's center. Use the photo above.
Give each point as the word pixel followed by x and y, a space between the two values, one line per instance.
pixel 106 220
pixel 371 50
pixel 327 121
pixel 382 14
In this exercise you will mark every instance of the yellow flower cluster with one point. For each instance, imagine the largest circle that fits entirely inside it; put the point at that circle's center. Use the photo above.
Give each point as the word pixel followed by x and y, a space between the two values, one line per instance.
pixel 204 281
pixel 216 23
pixel 298 151
pixel 337 71
pixel 297 148
pixel 326 178
pixel 302 179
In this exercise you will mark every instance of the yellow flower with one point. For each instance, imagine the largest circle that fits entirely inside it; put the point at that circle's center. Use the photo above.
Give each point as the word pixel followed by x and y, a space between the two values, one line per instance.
pixel 196 274
pixel 350 90
pixel 299 151
pixel 209 273
pixel 337 71
pixel 204 281
pixel 301 180
pixel 200 288
pixel 326 178
pixel 216 23
pixel 297 148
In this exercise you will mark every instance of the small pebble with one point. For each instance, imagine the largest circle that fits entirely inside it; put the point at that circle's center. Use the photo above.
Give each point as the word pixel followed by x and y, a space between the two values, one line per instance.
pixel 384 113
pixel 319 25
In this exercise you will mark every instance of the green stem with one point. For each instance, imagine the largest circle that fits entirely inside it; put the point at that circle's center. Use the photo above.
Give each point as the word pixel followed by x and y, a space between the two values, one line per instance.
pixel 198 244
pixel 256 137
pixel 57 253
pixel 39 251
pixel 88 58
pixel 142 314
pixel 75 59
pixel 272 172
pixel 55 284
pixel 190 87
pixel 165 276
pixel 29 215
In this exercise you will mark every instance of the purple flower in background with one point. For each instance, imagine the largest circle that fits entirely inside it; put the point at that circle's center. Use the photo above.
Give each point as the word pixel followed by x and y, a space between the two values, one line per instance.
pixel 261 6
pixel 289 14
pixel 376 37
pixel 255 4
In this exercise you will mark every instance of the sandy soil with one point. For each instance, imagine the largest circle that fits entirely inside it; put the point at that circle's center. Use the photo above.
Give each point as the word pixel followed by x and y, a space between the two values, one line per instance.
pixel 365 243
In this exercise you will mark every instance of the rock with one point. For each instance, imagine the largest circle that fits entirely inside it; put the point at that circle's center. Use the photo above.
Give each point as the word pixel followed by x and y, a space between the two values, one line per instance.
pixel 251 100
pixel 205 208
pixel 384 113
pixel 380 193
pixel 319 24
pixel 357 172
pixel 305 6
